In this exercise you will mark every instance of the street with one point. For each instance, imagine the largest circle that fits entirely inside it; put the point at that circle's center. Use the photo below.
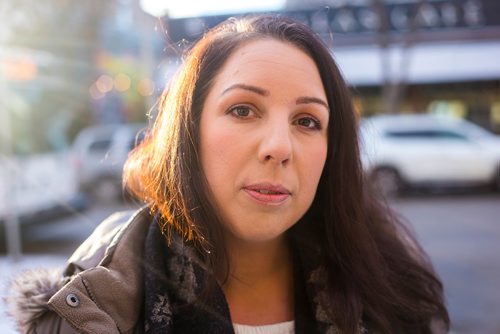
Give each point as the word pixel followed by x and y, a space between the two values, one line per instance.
pixel 462 236
pixel 460 232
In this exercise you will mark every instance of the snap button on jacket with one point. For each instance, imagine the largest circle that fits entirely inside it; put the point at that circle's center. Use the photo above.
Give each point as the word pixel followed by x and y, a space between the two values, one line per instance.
pixel 100 290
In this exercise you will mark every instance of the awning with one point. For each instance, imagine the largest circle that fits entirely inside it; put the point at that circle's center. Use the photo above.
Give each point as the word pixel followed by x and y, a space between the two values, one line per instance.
pixel 426 63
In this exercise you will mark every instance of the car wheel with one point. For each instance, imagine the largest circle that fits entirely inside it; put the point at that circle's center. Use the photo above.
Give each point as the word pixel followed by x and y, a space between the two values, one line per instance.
pixel 387 181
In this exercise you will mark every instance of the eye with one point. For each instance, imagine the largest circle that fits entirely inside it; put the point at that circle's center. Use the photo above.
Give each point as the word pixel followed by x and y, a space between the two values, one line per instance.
pixel 240 111
pixel 309 123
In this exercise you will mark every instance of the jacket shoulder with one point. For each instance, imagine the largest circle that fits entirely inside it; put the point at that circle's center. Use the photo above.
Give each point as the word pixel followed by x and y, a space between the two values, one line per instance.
pixel 31 291
pixel 95 248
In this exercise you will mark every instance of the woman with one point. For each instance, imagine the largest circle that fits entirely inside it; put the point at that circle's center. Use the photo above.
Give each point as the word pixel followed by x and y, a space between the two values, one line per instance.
pixel 258 217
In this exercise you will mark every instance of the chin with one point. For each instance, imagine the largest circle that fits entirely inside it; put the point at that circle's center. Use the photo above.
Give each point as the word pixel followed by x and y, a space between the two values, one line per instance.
pixel 260 236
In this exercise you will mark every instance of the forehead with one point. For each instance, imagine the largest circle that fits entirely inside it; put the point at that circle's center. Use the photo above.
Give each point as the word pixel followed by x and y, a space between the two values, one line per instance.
pixel 267 59
pixel 264 47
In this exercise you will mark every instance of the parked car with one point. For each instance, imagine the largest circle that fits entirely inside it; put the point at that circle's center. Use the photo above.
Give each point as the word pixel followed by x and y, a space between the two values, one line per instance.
pixel 38 186
pixel 405 151
pixel 100 153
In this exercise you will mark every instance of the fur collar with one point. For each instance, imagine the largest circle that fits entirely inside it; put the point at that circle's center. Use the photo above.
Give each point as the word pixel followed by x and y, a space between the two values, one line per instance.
pixel 29 294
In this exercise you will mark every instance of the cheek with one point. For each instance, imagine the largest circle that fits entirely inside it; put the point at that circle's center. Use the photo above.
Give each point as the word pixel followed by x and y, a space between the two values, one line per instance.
pixel 314 163
pixel 219 150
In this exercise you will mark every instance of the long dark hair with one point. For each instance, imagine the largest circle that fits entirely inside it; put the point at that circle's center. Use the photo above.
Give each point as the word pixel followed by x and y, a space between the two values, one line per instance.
pixel 375 269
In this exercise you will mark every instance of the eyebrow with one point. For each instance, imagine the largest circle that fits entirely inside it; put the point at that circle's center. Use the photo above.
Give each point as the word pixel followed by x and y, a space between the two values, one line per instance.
pixel 310 99
pixel 255 89
pixel 264 92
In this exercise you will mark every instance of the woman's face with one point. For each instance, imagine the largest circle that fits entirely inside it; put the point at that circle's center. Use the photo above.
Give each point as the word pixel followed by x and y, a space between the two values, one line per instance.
pixel 263 138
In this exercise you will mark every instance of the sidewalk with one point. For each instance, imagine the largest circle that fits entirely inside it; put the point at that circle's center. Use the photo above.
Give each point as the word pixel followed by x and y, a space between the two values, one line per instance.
pixel 10 269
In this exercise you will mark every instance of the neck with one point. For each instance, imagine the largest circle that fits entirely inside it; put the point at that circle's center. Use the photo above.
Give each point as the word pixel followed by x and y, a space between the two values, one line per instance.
pixel 251 261
pixel 259 288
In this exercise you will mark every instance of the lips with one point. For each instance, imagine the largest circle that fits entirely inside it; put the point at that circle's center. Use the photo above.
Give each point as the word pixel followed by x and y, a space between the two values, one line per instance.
pixel 267 193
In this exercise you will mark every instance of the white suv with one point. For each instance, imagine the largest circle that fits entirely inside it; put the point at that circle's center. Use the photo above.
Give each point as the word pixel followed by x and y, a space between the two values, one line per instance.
pixel 400 151
pixel 100 153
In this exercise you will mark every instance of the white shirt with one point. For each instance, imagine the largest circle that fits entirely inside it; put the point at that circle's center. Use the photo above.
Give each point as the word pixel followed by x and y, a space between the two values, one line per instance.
pixel 287 327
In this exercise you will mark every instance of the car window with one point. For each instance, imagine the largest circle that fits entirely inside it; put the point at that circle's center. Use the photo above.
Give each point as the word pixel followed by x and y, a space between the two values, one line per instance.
pixel 410 134
pixel 424 134
pixel 100 145
pixel 447 134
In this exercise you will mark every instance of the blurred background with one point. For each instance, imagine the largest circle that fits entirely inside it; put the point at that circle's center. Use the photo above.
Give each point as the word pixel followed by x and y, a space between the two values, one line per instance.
pixel 79 79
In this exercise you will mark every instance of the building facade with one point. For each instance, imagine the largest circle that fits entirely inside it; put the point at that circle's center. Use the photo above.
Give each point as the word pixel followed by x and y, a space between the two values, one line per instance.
pixel 439 56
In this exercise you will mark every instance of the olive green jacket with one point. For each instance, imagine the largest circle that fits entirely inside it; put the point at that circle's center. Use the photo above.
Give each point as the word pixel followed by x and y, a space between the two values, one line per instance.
pixel 100 291
pixel 102 287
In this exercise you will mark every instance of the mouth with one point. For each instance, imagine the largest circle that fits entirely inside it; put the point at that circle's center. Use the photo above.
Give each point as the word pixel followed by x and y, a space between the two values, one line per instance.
pixel 266 193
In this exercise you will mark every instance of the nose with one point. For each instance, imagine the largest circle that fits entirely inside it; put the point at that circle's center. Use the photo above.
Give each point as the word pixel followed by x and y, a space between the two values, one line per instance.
pixel 276 144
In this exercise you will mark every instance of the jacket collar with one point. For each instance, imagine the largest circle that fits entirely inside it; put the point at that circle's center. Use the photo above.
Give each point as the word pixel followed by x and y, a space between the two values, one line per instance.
pixel 105 269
